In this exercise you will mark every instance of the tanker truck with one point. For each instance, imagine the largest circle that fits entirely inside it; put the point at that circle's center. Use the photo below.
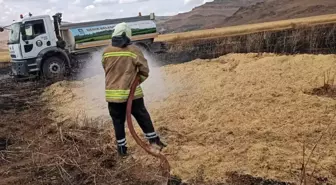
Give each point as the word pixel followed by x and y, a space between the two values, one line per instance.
pixel 47 47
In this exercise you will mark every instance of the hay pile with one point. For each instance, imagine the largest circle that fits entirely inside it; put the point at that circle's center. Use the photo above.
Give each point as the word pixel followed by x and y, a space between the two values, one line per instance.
pixel 241 112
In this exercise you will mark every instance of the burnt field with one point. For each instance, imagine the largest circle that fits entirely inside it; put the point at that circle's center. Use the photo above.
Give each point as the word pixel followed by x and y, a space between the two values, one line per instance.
pixel 299 39
pixel 36 150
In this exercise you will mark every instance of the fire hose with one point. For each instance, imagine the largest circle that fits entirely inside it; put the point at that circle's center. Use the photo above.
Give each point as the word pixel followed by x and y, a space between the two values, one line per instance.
pixel 164 162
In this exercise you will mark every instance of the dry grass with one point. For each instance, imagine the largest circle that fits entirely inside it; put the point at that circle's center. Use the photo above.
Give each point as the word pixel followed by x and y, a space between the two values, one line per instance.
pixel 4 56
pixel 248 29
pixel 249 113
pixel 241 112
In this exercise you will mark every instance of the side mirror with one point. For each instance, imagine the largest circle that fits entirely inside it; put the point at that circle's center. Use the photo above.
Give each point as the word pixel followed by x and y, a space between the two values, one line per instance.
pixel 23 32
pixel 1 29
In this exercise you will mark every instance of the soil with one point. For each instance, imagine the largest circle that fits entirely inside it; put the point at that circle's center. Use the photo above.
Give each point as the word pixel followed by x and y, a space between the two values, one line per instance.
pixel 245 113
pixel 36 150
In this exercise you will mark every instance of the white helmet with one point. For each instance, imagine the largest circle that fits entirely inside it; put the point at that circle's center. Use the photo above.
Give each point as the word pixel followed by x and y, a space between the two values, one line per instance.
pixel 120 28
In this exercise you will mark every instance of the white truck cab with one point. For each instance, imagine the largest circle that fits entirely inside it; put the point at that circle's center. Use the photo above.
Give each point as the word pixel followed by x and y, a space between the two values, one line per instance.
pixel 40 45
pixel 27 39
pixel 39 34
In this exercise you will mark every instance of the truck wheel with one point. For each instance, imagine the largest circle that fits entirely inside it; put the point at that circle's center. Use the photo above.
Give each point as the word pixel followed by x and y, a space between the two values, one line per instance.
pixel 53 68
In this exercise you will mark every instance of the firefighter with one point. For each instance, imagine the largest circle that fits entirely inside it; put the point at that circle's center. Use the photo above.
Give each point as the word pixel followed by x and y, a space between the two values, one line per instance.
pixel 122 62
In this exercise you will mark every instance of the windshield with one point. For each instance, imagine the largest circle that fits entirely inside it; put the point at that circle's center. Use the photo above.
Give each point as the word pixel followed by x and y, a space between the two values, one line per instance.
pixel 14 34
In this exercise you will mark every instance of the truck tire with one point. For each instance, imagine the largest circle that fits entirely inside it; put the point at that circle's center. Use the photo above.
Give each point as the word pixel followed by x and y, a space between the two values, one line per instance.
pixel 53 68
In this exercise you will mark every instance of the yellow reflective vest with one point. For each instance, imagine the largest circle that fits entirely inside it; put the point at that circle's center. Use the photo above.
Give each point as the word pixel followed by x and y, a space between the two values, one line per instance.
pixel 121 66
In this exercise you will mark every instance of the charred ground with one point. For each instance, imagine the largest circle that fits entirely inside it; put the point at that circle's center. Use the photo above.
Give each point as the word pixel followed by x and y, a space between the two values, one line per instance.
pixel 36 151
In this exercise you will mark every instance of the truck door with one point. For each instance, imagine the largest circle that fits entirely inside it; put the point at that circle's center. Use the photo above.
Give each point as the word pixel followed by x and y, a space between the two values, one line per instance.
pixel 36 38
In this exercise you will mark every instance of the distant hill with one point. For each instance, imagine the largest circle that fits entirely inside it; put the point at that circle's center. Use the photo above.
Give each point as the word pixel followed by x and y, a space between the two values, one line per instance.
pixel 278 10
pixel 208 14
pixel 221 13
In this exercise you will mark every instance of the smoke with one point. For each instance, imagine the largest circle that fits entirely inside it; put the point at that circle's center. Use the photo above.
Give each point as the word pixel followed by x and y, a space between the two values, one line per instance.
pixel 92 64
pixel 94 78
pixel 154 87
pixel 92 90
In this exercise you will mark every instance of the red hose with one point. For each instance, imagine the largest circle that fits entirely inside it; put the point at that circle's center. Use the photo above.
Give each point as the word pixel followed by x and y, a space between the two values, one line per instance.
pixel 164 162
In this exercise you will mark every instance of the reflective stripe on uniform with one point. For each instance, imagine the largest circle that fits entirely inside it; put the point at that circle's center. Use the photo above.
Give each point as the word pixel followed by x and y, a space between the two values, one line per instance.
pixel 122 142
pixel 120 54
pixel 151 135
pixel 122 94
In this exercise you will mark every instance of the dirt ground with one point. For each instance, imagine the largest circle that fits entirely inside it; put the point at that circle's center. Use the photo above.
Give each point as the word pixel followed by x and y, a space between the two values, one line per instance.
pixel 36 150
pixel 246 113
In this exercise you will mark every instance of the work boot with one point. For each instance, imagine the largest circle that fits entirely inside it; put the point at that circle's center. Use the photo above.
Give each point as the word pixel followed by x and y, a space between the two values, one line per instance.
pixel 156 142
pixel 122 151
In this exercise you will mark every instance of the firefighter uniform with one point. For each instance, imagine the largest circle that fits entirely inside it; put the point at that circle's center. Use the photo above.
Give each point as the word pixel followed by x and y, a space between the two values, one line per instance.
pixel 122 62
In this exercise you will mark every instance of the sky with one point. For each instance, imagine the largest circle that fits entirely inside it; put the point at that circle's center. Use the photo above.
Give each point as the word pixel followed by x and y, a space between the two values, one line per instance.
pixel 87 10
